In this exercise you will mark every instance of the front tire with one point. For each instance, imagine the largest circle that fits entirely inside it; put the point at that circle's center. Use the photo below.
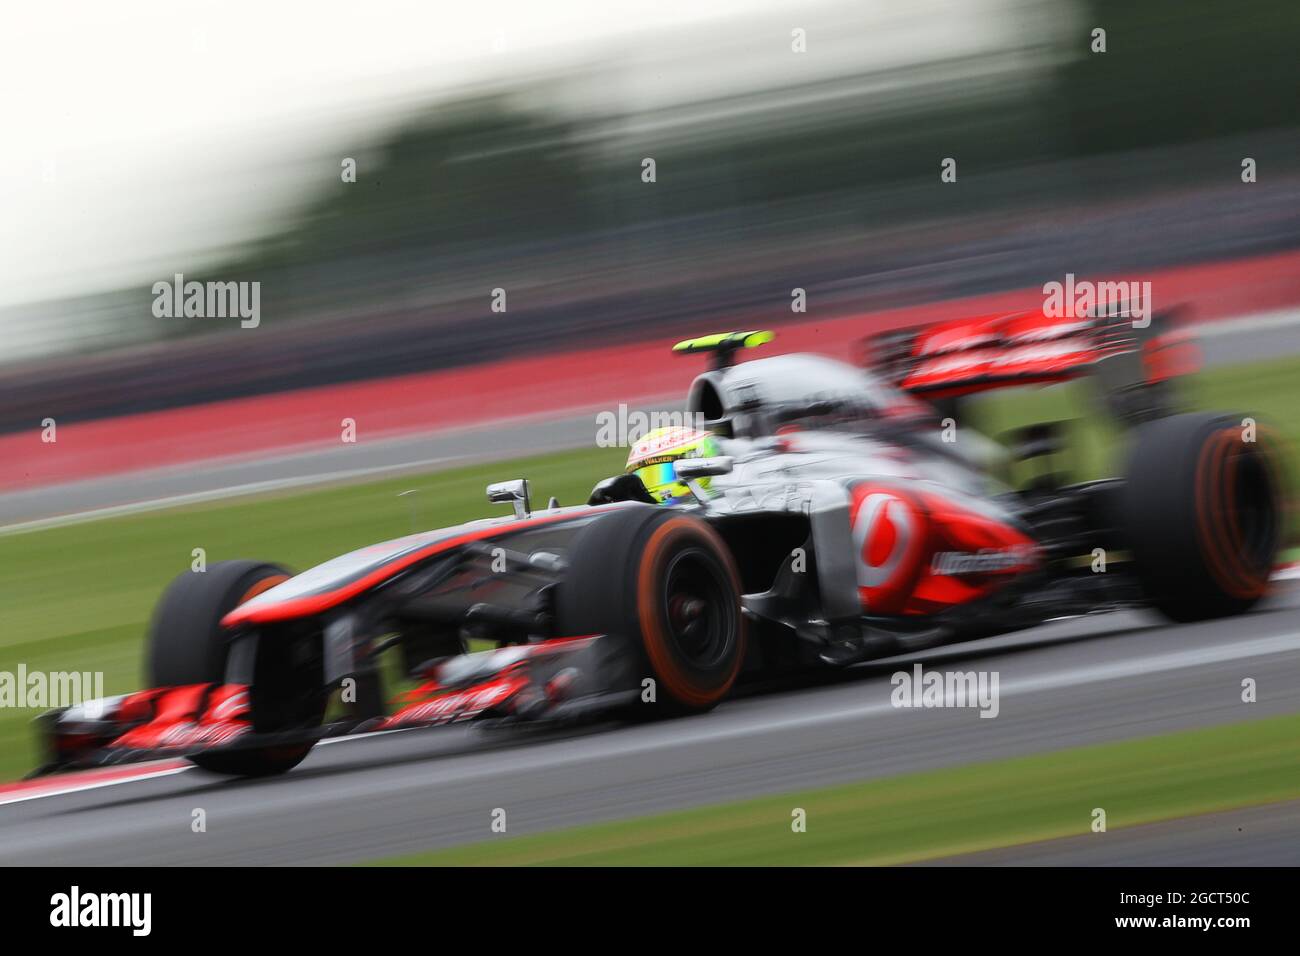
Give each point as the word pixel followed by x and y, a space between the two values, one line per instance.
pixel 1203 513
pixel 187 645
pixel 664 587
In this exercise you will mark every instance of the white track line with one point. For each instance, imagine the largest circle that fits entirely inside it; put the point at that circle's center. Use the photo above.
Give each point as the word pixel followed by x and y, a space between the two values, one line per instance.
pixel 1256 322
pixel 217 494
pixel 76 787
pixel 342 476
pixel 709 731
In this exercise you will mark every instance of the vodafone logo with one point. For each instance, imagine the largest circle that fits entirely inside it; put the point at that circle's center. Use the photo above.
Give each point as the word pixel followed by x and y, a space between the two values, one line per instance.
pixel 884 525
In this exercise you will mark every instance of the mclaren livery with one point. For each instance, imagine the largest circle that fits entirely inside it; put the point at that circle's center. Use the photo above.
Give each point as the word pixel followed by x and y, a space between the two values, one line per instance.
pixel 824 515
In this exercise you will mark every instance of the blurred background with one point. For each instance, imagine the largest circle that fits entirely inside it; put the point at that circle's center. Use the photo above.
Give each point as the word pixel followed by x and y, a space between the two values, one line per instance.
pixel 795 145
pixel 504 146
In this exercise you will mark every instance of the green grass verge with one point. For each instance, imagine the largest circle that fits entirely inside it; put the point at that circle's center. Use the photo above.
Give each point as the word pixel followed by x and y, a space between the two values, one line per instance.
pixel 937 813
pixel 1269 391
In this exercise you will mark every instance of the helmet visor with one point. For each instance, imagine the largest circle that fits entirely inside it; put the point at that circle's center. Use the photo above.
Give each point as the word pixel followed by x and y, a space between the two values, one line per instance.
pixel 658 475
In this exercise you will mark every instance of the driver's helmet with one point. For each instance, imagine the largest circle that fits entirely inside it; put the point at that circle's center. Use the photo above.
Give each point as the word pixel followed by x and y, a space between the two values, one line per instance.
pixel 652 457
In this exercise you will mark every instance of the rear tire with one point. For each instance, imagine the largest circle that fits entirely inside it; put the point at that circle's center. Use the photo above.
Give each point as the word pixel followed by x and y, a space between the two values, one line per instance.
pixel 1203 515
pixel 663 586
pixel 187 645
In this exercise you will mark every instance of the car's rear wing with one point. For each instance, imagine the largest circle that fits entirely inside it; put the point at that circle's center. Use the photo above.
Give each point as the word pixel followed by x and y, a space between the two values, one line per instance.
pixel 952 359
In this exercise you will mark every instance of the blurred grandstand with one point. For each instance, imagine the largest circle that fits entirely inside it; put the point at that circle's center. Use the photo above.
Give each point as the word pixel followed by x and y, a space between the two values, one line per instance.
pixel 774 170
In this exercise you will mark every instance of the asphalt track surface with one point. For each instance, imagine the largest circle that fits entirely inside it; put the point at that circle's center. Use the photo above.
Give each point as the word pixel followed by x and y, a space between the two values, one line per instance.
pixel 370 460
pixel 1102 678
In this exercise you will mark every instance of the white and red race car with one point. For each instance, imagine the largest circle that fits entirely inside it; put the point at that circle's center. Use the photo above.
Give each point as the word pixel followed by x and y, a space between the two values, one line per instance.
pixel 840 525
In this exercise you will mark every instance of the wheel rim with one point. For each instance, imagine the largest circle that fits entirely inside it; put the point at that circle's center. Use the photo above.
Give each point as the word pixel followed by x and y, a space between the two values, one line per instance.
pixel 1252 504
pixel 698 612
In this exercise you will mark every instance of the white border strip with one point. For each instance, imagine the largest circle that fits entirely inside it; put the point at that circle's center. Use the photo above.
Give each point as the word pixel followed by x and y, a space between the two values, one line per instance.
pixel 73 787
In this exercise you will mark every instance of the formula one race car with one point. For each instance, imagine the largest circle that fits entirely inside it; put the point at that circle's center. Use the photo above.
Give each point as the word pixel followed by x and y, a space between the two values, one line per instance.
pixel 841 519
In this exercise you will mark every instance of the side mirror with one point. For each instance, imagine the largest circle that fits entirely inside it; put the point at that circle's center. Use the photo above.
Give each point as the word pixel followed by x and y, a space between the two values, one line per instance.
pixel 511 492
pixel 688 469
